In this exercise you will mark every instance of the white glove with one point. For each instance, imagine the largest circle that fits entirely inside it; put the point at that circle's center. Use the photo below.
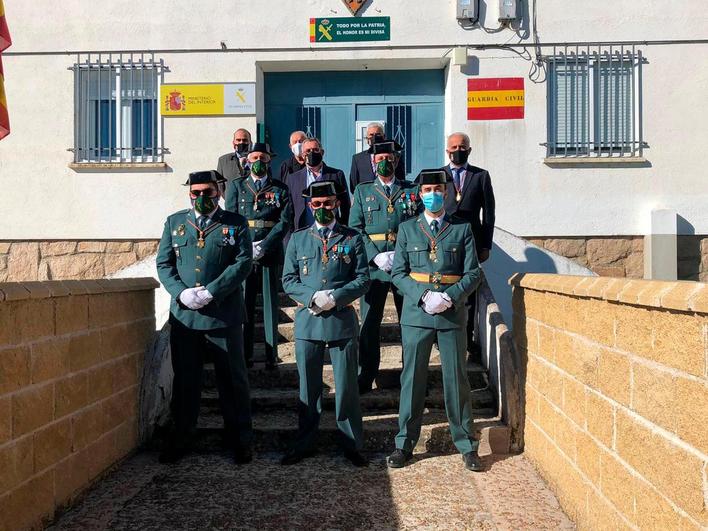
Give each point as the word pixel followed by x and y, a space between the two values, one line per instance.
pixel 435 302
pixel 391 256
pixel 324 300
pixel 257 250
pixel 204 296
pixel 314 310
pixel 190 298
pixel 381 261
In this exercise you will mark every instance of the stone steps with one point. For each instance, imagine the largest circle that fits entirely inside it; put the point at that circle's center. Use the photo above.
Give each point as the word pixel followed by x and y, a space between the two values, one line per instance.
pixel 390 332
pixel 275 431
pixel 287 314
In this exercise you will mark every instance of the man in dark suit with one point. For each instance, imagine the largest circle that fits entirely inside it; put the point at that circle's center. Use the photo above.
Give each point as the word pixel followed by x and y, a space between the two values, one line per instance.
pixel 296 161
pixel 470 197
pixel 363 167
pixel 232 165
pixel 315 170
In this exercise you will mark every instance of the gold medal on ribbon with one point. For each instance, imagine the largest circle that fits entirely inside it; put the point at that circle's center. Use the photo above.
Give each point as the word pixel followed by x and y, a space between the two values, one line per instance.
pixel 458 197
pixel 390 208
pixel 434 253
pixel 200 242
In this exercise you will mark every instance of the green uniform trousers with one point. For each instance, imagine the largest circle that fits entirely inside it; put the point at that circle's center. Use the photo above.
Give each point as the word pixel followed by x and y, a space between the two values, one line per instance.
pixel 310 360
pixel 417 344
pixel 263 279
pixel 372 309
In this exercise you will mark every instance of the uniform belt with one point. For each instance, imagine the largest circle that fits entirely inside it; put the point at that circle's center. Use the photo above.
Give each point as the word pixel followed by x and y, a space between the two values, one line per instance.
pixel 260 224
pixel 435 278
pixel 390 236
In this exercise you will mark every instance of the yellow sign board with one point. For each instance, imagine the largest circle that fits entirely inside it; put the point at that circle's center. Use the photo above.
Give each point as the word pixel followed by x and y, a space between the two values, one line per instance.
pixel 208 99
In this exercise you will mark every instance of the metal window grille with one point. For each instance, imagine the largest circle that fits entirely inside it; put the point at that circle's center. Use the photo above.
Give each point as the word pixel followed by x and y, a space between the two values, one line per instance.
pixel 398 128
pixel 309 120
pixel 595 102
pixel 116 113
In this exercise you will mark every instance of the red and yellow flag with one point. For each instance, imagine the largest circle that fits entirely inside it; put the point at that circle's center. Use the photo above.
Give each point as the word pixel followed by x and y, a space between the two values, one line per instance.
pixel 495 98
pixel 5 42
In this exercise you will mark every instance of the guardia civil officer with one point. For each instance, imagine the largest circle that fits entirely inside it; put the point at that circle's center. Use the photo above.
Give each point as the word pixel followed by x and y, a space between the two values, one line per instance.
pixel 363 165
pixel 265 203
pixel 203 258
pixel 325 271
pixel 233 165
pixel 436 269
pixel 379 207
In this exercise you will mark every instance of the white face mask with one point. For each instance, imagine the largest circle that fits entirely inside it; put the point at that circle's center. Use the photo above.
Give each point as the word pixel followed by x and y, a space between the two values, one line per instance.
pixel 296 149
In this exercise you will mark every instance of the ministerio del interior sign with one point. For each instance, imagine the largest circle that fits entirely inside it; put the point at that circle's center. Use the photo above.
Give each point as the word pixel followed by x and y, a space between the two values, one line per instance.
pixel 208 99
pixel 350 29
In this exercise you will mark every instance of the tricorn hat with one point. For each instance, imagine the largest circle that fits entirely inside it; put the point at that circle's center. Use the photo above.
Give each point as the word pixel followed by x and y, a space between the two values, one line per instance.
pixel 388 146
pixel 205 177
pixel 262 147
pixel 431 177
pixel 320 189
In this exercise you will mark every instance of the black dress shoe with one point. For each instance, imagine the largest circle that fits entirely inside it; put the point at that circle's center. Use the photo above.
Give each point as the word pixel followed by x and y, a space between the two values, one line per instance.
pixel 472 462
pixel 243 456
pixel 398 458
pixel 356 458
pixel 293 457
pixel 271 366
pixel 364 388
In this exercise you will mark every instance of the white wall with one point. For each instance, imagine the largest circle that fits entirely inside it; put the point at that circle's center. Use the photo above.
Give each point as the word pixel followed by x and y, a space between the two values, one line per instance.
pixel 532 198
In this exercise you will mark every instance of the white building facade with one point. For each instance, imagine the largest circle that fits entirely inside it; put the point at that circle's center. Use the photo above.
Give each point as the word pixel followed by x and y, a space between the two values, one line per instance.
pixel 613 126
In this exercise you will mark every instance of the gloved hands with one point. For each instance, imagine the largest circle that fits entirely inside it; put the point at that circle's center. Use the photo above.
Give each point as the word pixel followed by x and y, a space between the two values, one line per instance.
pixel 258 251
pixel 436 302
pixel 195 298
pixel 384 261
pixel 322 301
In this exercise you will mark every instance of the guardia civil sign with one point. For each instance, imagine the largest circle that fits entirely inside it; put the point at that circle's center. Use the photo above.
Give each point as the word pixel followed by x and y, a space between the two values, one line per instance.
pixel 350 29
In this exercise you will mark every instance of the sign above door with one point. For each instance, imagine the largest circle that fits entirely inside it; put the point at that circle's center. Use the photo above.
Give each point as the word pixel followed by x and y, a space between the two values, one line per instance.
pixel 348 29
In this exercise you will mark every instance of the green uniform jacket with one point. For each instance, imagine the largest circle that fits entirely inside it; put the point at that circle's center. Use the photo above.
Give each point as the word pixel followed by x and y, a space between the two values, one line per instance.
pixel 273 206
pixel 346 272
pixel 370 215
pixel 456 255
pixel 221 266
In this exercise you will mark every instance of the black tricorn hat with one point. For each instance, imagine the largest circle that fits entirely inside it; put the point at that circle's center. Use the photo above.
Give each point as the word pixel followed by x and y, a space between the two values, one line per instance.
pixel 431 177
pixel 205 177
pixel 262 147
pixel 320 189
pixel 385 147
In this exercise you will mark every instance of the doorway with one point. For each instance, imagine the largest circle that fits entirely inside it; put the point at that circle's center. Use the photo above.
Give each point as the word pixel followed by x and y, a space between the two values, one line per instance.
pixel 335 106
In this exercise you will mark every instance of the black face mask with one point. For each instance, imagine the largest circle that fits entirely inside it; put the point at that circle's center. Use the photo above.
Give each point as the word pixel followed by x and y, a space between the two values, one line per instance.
pixel 459 157
pixel 314 158
pixel 241 149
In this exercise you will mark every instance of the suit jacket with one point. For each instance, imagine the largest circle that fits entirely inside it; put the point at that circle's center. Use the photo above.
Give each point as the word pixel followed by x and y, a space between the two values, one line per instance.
pixel 346 272
pixel 362 172
pixel 297 182
pixel 289 166
pixel 221 266
pixel 455 255
pixel 476 205
pixel 229 167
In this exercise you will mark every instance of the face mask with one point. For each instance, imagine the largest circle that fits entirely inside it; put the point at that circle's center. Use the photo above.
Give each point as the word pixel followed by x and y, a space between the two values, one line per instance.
pixel 376 139
pixel 433 201
pixel 241 149
pixel 296 149
pixel 385 168
pixel 324 216
pixel 314 158
pixel 205 205
pixel 459 157
pixel 259 168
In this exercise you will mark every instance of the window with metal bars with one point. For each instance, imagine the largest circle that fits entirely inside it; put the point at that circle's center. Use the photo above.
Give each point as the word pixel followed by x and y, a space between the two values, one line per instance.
pixel 116 114
pixel 595 103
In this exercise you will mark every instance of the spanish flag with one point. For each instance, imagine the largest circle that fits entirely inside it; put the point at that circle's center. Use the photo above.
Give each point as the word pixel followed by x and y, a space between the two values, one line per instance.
pixel 5 42
pixel 495 98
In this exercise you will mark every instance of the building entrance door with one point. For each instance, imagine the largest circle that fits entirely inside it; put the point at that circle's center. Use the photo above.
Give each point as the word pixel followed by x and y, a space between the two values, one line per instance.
pixel 336 107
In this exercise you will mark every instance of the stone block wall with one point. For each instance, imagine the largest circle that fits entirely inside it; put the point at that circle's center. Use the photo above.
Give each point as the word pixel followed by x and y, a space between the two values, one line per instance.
pixel 616 396
pixel 624 256
pixel 71 355
pixel 70 259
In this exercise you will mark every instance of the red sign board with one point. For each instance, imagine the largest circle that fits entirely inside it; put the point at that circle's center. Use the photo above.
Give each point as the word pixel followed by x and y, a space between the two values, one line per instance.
pixel 495 98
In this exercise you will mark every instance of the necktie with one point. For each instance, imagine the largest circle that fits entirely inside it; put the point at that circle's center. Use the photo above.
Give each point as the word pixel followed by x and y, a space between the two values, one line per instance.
pixel 259 185
pixel 456 176
pixel 202 222
pixel 387 189
pixel 324 233
pixel 434 227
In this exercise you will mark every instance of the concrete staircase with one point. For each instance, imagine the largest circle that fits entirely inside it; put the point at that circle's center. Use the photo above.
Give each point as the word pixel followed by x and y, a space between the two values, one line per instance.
pixel 274 398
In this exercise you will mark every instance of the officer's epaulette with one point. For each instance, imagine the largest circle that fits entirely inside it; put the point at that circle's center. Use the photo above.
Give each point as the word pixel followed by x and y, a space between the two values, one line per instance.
pixel 302 229
pixel 180 213
pixel 454 219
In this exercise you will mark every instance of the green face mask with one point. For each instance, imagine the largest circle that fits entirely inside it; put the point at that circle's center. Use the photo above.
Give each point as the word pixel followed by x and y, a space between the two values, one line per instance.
pixel 259 168
pixel 324 216
pixel 205 205
pixel 385 168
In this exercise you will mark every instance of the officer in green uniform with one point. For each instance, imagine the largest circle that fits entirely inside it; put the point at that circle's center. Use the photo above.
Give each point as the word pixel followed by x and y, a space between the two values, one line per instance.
pixel 378 209
pixel 265 203
pixel 436 269
pixel 203 258
pixel 325 271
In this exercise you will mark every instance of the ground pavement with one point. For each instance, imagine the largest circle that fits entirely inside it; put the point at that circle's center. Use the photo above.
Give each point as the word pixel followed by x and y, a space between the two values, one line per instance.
pixel 207 491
